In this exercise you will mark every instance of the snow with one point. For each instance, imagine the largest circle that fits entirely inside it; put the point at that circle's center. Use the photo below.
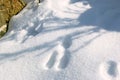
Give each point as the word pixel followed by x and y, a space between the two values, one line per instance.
pixel 63 40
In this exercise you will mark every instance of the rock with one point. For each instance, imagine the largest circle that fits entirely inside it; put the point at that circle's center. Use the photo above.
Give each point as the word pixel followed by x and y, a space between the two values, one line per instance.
pixel 9 8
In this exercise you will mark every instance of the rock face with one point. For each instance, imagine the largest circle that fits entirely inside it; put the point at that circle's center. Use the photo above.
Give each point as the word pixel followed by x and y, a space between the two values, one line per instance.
pixel 8 8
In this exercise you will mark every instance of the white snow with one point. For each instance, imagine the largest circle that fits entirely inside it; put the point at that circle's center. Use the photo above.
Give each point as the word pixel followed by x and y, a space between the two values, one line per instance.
pixel 63 40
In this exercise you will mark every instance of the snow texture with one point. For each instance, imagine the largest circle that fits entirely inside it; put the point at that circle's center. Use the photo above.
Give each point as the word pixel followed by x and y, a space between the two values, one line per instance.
pixel 63 40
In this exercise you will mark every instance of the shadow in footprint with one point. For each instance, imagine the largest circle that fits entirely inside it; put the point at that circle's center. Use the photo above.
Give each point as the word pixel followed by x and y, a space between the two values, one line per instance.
pixel 112 69
pixel 64 60
pixel 52 60
pixel 67 42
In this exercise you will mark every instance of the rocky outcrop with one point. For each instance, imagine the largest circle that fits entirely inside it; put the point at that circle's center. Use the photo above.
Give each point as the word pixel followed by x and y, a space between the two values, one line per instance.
pixel 8 8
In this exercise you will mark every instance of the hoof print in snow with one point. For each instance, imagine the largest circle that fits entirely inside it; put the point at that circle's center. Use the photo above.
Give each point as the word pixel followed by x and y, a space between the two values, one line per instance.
pixel 109 70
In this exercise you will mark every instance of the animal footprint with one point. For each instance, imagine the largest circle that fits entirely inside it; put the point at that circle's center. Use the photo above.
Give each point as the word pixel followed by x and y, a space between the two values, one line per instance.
pixel 52 60
pixel 66 43
pixel 64 60
pixel 112 68
pixel 109 70
pixel 61 57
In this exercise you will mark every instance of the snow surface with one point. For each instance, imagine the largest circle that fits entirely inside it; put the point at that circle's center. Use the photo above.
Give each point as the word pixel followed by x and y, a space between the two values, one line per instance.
pixel 63 40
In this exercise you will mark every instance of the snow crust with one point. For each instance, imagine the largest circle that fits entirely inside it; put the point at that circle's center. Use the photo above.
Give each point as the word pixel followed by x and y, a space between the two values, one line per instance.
pixel 63 40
